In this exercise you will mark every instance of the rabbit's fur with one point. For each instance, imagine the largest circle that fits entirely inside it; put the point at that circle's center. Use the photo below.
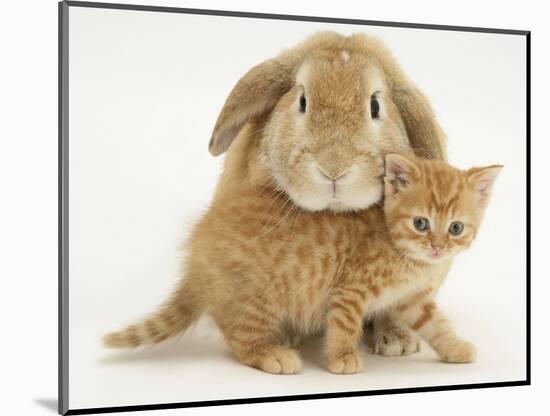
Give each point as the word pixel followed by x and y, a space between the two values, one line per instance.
pixel 266 253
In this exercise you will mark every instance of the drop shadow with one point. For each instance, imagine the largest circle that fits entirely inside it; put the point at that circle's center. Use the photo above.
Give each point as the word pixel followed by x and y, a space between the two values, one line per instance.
pixel 48 404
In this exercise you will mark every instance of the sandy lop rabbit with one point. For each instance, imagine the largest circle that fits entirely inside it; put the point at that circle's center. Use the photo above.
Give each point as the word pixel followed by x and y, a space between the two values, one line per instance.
pixel 305 133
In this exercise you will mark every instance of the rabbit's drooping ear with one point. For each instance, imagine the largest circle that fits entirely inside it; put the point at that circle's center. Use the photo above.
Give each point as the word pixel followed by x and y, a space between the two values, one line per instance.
pixel 257 92
pixel 425 135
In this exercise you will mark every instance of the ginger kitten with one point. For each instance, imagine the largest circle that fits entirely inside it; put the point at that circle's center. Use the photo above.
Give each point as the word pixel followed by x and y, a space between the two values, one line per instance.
pixel 432 212
pixel 320 271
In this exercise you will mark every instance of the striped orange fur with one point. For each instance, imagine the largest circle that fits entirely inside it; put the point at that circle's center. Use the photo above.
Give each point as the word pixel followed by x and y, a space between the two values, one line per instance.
pixel 307 288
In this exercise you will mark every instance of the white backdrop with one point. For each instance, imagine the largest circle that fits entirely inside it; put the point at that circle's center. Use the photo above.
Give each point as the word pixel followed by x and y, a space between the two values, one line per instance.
pixel 144 94
pixel 29 180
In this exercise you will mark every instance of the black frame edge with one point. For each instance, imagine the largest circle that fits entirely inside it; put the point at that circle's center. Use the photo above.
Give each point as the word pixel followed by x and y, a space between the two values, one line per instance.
pixel 228 402
pixel 231 13
pixel 528 219
pixel 63 219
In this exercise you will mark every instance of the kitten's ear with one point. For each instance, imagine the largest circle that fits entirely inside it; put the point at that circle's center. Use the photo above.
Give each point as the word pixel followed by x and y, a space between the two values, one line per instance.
pixel 483 179
pixel 400 172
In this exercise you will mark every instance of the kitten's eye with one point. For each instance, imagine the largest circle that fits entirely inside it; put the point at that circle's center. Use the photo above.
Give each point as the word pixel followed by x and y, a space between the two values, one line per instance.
pixel 303 103
pixel 456 228
pixel 374 107
pixel 421 223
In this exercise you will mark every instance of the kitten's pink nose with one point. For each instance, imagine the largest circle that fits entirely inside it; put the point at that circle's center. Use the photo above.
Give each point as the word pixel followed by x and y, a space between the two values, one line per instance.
pixel 436 250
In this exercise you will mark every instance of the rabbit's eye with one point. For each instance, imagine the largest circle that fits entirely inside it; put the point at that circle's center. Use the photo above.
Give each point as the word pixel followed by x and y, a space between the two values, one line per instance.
pixel 374 107
pixel 302 103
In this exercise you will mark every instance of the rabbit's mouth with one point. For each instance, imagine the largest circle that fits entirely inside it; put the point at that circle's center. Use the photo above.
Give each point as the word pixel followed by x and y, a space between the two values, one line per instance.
pixel 337 197
pixel 337 191
pixel 336 187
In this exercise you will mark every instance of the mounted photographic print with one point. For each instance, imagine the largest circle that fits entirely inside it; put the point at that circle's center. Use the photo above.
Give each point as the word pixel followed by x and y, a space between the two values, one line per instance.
pixel 265 207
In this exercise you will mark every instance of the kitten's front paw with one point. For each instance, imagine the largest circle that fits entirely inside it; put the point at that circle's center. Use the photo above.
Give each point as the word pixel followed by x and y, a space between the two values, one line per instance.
pixel 396 341
pixel 346 363
pixel 280 361
pixel 458 351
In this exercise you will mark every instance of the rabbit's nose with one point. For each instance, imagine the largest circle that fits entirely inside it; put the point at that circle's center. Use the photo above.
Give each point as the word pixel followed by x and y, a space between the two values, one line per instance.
pixel 332 176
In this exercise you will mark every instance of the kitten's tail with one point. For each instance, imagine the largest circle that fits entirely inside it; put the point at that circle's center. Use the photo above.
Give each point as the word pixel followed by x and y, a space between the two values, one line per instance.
pixel 174 317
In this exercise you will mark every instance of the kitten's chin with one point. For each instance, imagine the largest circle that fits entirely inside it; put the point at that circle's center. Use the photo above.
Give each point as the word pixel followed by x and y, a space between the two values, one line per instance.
pixel 429 258
pixel 436 260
